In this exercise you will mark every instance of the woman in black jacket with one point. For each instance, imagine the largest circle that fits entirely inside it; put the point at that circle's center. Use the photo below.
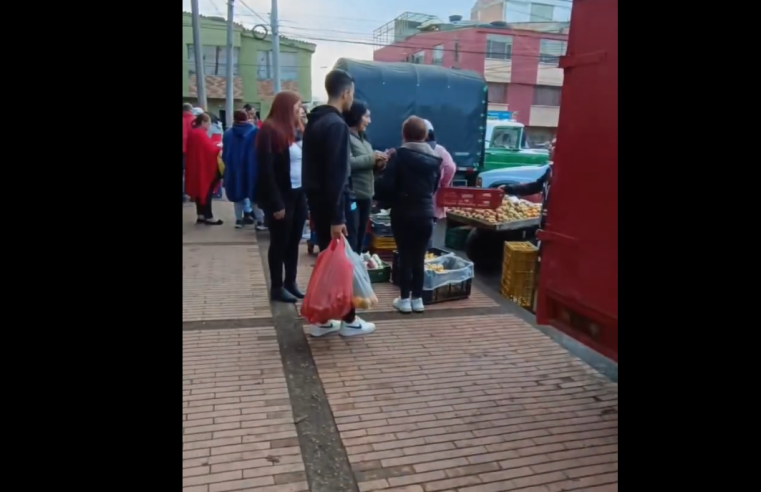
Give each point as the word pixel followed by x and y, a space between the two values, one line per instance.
pixel 278 152
pixel 408 185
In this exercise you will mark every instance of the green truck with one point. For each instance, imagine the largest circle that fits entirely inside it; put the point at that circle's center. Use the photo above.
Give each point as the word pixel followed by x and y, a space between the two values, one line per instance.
pixel 504 147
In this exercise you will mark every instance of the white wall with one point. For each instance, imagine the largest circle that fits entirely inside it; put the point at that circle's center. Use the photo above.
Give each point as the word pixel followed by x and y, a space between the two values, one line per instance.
pixel 520 11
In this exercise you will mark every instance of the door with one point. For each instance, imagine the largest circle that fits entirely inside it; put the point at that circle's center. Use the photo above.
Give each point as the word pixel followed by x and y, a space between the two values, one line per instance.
pixel 578 284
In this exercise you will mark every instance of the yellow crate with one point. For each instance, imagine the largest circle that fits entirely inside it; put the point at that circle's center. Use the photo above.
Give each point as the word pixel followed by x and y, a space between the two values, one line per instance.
pixel 377 242
pixel 519 272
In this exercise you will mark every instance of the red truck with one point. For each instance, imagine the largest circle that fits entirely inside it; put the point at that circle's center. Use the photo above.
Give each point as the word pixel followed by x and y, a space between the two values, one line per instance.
pixel 578 284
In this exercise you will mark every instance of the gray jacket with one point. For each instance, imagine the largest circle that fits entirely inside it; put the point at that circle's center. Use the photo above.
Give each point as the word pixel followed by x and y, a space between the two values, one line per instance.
pixel 362 161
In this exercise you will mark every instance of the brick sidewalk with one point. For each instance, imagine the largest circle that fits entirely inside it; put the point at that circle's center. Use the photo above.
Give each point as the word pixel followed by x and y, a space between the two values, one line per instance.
pixel 456 403
pixel 479 404
pixel 237 426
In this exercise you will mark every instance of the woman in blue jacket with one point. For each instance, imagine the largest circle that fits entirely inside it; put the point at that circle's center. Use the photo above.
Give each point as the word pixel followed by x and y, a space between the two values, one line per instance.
pixel 239 157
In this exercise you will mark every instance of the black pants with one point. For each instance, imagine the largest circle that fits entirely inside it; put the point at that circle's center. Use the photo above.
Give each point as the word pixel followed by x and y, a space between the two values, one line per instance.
pixel 285 236
pixel 352 225
pixel 411 235
pixel 321 215
pixel 363 214
pixel 205 209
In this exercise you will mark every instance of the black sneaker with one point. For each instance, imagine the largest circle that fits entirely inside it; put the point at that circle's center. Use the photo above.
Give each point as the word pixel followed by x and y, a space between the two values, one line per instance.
pixel 238 224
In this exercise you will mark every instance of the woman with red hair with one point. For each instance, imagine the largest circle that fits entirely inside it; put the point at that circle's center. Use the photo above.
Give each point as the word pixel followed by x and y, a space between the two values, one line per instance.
pixel 202 169
pixel 279 193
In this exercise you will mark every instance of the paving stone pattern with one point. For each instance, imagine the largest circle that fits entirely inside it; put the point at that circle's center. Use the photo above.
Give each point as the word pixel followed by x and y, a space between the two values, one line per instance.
pixel 223 282
pixel 237 425
pixel 478 404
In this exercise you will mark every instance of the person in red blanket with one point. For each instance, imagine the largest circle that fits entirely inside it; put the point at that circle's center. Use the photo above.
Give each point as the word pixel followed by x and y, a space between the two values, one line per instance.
pixel 187 122
pixel 202 169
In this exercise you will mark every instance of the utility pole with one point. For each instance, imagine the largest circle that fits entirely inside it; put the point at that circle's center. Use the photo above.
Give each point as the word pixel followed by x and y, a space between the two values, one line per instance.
pixel 229 66
pixel 275 45
pixel 198 50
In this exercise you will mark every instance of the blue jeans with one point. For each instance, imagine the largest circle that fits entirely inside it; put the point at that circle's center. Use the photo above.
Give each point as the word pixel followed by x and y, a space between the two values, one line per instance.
pixel 241 208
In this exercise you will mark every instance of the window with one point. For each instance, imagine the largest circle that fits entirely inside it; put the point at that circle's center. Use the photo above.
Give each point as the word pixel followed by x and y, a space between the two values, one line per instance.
pixel 214 60
pixel 419 57
pixel 289 69
pixel 438 54
pixel 497 93
pixel 546 95
pixel 506 137
pixel 499 47
pixel 541 12
pixel 550 51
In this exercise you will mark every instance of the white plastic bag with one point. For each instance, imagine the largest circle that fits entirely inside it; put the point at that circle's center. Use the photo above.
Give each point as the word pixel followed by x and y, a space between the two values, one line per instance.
pixel 456 270
pixel 363 296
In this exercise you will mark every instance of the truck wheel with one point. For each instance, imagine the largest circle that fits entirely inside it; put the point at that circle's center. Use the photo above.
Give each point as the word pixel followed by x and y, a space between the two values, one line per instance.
pixel 483 248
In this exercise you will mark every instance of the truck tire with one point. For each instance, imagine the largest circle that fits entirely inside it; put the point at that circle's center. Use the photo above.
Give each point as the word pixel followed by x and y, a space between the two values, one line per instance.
pixel 484 248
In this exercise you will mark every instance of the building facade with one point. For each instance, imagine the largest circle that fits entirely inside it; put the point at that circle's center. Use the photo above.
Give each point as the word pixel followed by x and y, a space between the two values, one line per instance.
pixel 521 11
pixel 519 62
pixel 253 78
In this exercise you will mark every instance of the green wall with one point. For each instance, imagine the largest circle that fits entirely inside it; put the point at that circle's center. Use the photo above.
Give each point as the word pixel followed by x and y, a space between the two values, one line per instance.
pixel 214 33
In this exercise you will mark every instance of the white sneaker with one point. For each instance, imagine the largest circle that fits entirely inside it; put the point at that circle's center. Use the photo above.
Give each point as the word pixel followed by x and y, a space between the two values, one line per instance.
pixel 402 305
pixel 358 327
pixel 331 326
pixel 417 305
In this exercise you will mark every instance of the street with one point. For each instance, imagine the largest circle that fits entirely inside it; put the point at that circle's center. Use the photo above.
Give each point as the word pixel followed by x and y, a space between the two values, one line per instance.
pixel 469 397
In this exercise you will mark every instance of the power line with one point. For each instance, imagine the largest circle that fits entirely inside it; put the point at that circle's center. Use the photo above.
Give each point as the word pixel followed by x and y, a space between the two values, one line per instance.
pixel 254 12
pixel 513 56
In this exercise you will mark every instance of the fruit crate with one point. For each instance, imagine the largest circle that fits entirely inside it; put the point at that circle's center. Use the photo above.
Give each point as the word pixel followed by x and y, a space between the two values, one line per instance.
pixel 387 255
pixel 469 197
pixel 457 237
pixel 451 292
pixel 395 262
pixel 382 242
pixel 519 272
pixel 380 275
pixel 380 228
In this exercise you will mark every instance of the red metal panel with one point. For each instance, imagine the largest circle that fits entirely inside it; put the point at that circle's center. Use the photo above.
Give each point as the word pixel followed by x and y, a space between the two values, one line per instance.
pixel 578 287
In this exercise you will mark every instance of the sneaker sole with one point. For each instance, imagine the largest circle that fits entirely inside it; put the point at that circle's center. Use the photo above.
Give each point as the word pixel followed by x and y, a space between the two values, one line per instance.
pixel 354 332
pixel 325 333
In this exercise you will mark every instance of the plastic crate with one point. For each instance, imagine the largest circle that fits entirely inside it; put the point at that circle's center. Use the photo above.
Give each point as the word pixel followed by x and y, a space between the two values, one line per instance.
pixel 380 229
pixel 451 292
pixel 395 261
pixel 519 272
pixel 457 237
pixel 469 197
pixel 380 275
pixel 382 242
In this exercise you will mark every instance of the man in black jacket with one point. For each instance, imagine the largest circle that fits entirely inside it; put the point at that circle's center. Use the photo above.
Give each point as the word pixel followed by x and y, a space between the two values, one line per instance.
pixel 540 185
pixel 325 179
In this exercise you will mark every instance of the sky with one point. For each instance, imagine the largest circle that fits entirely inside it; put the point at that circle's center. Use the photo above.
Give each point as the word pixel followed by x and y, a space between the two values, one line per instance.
pixel 317 20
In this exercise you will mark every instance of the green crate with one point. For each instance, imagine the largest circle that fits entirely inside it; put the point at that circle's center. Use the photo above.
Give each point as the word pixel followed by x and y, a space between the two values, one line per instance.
pixel 380 275
pixel 456 237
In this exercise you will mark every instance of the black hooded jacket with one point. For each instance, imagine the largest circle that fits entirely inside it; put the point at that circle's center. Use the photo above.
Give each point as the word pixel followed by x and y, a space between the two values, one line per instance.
pixel 325 161
pixel 410 181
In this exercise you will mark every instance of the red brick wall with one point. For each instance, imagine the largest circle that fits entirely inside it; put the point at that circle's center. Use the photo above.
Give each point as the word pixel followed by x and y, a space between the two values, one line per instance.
pixel 265 88
pixel 216 87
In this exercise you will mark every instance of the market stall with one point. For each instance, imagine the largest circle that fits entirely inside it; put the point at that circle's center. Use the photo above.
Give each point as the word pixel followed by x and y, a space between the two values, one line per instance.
pixel 481 232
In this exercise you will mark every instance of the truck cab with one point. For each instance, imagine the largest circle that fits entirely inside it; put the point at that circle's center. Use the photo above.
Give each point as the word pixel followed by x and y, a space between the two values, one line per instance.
pixel 505 146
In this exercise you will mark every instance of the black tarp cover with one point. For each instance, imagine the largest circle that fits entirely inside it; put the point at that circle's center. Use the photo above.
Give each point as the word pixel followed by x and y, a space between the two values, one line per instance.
pixel 454 101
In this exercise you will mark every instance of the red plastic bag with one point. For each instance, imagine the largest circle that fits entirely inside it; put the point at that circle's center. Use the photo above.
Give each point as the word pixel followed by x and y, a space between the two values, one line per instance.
pixel 330 287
